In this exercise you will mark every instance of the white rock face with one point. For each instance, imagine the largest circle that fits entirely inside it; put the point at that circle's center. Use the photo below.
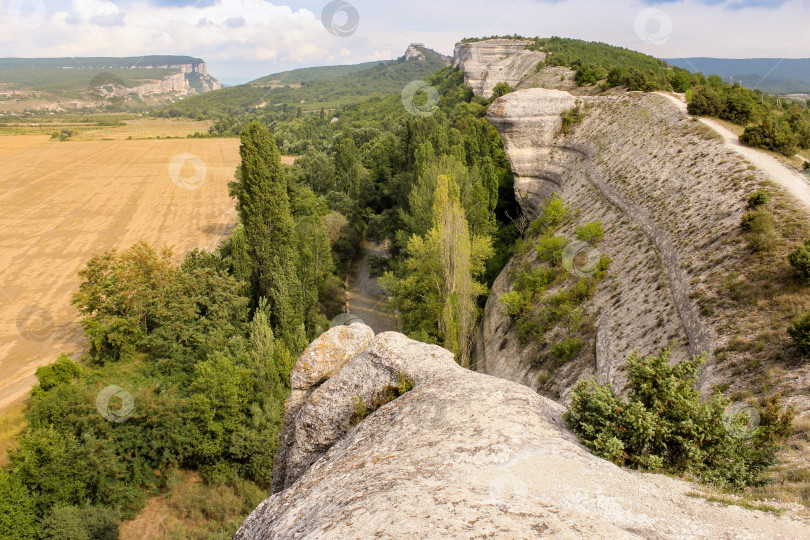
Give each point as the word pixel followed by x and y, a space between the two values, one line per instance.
pixel 413 52
pixel 487 63
pixel 528 120
pixel 461 455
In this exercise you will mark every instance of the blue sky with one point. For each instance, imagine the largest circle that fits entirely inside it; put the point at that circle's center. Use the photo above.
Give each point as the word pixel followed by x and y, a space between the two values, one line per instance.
pixel 245 39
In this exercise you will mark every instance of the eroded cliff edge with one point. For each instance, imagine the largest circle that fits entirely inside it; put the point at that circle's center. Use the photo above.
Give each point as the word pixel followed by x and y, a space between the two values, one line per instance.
pixel 489 62
pixel 671 198
pixel 462 455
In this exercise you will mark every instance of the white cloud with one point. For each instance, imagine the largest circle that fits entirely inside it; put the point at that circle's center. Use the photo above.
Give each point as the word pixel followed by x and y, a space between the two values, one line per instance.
pixel 87 9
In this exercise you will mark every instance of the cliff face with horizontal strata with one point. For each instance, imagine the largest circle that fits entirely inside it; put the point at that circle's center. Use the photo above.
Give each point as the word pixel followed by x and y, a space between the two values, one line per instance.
pixel 670 196
pixel 191 79
pixel 486 63
pixel 461 455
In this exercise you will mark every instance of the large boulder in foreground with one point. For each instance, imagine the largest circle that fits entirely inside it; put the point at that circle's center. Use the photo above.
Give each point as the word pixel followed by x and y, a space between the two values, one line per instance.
pixel 461 455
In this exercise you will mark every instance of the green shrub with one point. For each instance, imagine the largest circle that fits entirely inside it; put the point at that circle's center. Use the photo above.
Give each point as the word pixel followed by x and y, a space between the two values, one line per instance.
pixel 591 233
pixel 515 302
pixel 759 229
pixel 550 248
pixel 664 425
pixel 63 371
pixel 773 134
pixel 759 198
pixel 739 106
pixel 571 117
pixel 77 523
pixel 586 75
pixel 800 332
pixel 567 349
pixel 800 260
pixel 807 165
pixel 501 89
pixel 552 214
pixel 706 101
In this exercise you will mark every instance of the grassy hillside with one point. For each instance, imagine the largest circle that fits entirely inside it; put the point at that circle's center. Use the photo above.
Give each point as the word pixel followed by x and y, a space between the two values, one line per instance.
pixel 312 74
pixel 773 75
pixel 317 90
pixel 71 83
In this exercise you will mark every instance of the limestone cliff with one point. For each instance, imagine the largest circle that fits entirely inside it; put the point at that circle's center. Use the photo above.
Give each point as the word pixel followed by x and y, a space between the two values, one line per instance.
pixel 487 63
pixel 461 455
pixel 530 120
pixel 670 196
pixel 190 79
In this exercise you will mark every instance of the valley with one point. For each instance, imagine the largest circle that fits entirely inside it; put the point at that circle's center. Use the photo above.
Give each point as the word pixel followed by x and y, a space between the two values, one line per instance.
pixel 546 287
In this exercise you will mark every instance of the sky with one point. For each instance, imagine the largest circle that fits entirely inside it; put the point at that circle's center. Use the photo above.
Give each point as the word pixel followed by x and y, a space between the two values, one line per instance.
pixel 244 39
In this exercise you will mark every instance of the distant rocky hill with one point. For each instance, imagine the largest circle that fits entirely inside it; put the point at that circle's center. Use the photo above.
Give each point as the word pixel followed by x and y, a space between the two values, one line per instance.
pixel 460 455
pixel 315 88
pixel 56 84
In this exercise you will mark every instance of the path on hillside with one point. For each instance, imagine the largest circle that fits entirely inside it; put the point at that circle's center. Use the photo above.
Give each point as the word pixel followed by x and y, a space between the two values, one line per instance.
pixel 794 182
pixel 365 296
pixel 700 336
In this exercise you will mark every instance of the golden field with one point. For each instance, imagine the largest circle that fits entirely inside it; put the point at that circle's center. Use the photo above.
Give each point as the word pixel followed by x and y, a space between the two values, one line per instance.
pixel 96 127
pixel 64 201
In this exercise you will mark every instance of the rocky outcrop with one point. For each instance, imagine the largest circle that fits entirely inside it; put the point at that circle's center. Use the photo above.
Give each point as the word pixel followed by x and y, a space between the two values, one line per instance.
pixel 192 78
pixel 414 52
pixel 670 197
pixel 528 121
pixel 322 360
pixel 487 63
pixel 461 455
pixel 418 51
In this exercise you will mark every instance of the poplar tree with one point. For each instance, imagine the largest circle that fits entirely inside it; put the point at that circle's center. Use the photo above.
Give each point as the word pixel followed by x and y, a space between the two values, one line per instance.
pixel 437 288
pixel 264 209
pixel 459 257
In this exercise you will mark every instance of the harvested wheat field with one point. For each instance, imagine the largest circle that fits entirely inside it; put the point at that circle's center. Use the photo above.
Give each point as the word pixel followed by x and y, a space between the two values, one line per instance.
pixel 63 202
pixel 145 128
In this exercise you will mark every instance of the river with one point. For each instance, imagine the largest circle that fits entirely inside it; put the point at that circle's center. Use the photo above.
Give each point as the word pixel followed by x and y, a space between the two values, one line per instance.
pixel 365 297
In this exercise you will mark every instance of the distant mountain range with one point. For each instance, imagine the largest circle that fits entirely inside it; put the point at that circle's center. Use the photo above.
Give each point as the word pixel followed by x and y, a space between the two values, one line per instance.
pixel 92 82
pixel 772 75
pixel 324 87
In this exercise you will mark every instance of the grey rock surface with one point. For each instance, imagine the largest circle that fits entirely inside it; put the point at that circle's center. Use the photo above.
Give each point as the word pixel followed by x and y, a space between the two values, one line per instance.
pixel 464 455
pixel 319 362
pixel 528 120
pixel 670 198
pixel 489 62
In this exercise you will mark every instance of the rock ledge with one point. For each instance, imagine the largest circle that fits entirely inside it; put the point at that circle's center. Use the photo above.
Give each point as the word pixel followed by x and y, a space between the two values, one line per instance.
pixel 462 455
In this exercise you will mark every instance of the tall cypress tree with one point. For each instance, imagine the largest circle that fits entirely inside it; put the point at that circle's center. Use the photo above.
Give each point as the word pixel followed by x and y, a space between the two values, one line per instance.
pixel 264 208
